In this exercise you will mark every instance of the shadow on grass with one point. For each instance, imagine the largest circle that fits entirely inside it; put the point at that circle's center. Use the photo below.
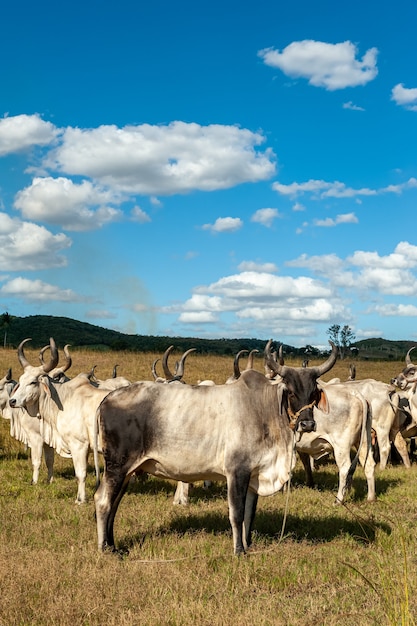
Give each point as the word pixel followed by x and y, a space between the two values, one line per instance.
pixel 145 484
pixel 325 482
pixel 318 529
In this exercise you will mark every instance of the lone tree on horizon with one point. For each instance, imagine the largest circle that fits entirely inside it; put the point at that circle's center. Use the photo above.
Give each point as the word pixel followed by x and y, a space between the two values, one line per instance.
pixel 5 321
pixel 342 337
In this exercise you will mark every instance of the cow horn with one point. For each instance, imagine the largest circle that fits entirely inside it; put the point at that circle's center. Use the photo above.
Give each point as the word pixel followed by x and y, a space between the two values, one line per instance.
pixel 167 372
pixel 9 374
pixel 268 347
pixel 91 373
pixel 179 372
pixel 328 364
pixel 407 358
pixel 53 361
pixel 68 359
pixel 41 353
pixel 236 368
pixel 154 372
pixel 249 364
pixel 115 371
pixel 21 355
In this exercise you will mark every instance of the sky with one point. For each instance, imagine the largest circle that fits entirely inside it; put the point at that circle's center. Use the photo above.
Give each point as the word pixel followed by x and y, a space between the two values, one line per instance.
pixel 211 169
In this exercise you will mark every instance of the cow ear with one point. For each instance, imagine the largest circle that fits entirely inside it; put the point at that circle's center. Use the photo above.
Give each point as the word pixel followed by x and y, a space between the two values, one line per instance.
pixel 323 403
pixel 45 384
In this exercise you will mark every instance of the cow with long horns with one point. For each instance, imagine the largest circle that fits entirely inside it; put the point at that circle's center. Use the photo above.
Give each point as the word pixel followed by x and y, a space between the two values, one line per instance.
pixel 241 433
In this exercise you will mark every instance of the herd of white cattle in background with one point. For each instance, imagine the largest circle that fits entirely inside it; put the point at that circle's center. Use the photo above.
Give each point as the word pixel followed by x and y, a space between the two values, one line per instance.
pixel 50 412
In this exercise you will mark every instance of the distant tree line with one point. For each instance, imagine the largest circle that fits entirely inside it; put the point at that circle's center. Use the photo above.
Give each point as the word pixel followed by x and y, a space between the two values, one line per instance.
pixel 84 335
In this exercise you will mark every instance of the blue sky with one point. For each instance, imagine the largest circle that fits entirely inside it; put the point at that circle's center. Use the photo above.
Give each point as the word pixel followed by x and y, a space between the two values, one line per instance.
pixel 211 169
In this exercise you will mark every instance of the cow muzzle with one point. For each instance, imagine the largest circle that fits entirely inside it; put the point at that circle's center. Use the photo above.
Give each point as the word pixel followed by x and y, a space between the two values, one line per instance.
pixel 305 423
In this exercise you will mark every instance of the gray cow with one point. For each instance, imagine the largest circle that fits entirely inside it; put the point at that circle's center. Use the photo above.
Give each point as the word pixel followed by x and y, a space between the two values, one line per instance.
pixel 241 433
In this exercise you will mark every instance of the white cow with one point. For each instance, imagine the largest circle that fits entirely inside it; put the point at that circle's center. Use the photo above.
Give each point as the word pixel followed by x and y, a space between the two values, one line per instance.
pixel 347 426
pixel 65 411
pixel 384 405
pixel 26 429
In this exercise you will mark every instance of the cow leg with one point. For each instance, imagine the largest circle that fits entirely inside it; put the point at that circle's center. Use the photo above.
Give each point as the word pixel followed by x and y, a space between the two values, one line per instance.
pixel 401 446
pixel 107 499
pixel 250 510
pixel 366 459
pixel 343 462
pixel 306 461
pixel 36 458
pixel 49 455
pixel 237 489
pixel 80 460
pixel 182 493
pixel 384 447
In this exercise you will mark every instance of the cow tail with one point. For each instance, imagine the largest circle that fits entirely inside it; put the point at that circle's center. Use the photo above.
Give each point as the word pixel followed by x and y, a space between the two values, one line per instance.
pixel 95 447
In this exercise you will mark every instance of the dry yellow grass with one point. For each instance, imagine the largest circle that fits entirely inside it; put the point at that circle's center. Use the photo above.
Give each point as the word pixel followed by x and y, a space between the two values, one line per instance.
pixel 336 566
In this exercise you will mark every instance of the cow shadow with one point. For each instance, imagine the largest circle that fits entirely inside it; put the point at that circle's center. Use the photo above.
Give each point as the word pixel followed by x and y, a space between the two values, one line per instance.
pixel 325 481
pixel 267 528
pixel 144 484
pixel 323 528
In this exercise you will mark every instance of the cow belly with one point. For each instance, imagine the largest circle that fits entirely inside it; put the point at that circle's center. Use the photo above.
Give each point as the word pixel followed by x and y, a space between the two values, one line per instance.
pixel 176 472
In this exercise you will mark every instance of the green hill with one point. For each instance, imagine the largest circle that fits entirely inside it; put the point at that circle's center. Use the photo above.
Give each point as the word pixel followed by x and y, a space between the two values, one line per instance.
pixel 81 334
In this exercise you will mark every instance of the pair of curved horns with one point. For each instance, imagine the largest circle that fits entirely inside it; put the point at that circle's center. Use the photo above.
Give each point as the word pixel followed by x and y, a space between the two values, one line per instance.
pixel 179 369
pixel 249 365
pixel 68 359
pixel 47 367
pixel 279 368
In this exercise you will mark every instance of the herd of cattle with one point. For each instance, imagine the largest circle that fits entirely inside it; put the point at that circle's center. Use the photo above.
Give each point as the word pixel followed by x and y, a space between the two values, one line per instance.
pixel 245 431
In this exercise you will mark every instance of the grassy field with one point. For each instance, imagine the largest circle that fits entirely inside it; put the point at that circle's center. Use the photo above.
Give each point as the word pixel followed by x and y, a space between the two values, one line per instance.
pixel 312 563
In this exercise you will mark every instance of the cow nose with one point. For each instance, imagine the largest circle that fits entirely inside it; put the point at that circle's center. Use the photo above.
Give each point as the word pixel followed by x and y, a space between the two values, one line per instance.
pixel 307 425
pixel 12 402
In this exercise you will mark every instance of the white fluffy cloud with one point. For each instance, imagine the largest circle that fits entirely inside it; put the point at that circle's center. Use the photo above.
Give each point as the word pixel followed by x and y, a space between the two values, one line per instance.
pixel 36 291
pixel 346 218
pixel 368 272
pixel 269 301
pixel 337 189
pixel 254 285
pixel 265 217
pixel 72 206
pixel 163 160
pixel 397 310
pixel 24 131
pixel 224 225
pixel 332 66
pixel 27 246
pixel 405 97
